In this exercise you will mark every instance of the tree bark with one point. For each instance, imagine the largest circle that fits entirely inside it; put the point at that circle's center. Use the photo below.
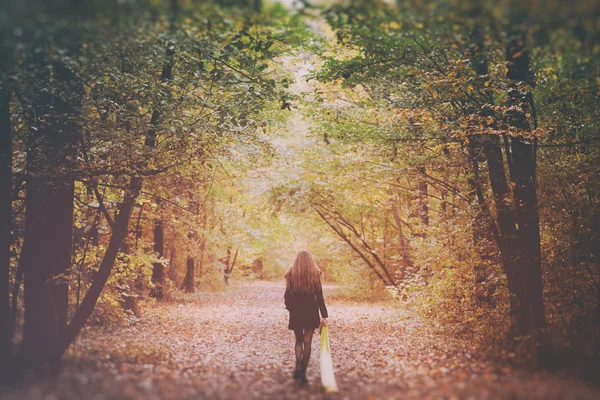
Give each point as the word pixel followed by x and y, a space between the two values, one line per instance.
pixel 190 278
pixel 172 269
pixel 5 224
pixel 48 238
pixel 229 265
pixel 504 228
pixel 46 258
pixel 407 262
pixel 530 318
pixel 257 267
pixel 423 199
pixel 201 261
pixel 158 269
pixel 138 227
pixel 166 75
pixel 508 239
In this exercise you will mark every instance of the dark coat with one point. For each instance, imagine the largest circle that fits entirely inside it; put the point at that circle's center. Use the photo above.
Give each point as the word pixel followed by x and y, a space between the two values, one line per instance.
pixel 304 309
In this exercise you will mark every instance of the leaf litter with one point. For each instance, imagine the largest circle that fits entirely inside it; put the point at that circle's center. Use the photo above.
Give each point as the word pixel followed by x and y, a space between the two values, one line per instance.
pixel 236 345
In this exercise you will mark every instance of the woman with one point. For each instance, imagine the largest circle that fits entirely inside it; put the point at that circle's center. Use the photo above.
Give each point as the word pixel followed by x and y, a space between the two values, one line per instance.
pixel 304 298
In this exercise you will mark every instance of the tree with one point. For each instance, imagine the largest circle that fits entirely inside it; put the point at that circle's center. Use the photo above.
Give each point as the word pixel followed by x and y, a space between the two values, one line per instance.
pixel 530 314
pixel 5 211
pixel 47 246
pixel 189 282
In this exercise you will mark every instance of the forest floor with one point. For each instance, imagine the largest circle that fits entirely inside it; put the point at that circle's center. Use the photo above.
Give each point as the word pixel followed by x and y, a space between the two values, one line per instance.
pixel 235 345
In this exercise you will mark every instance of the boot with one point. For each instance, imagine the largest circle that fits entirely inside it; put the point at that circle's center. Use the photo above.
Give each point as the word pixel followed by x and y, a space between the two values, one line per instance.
pixel 302 378
pixel 298 370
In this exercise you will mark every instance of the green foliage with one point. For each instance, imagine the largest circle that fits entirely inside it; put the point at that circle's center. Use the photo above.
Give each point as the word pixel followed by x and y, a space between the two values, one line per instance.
pixel 197 81
pixel 414 99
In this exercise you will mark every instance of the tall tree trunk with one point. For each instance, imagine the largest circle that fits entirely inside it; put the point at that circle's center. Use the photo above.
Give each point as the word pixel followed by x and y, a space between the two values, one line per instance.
pixel 484 228
pixel 5 222
pixel 204 226
pixel 166 75
pixel 229 265
pixel 508 240
pixel 190 278
pixel 172 269
pixel 201 261
pixel 138 227
pixel 189 282
pixel 530 318
pixel 503 228
pixel 46 258
pixel 423 199
pixel 257 267
pixel 158 269
pixel 407 262
pixel 48 237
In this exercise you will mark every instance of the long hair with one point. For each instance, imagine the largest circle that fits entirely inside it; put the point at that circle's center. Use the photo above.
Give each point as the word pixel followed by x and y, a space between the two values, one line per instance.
pixel 304 275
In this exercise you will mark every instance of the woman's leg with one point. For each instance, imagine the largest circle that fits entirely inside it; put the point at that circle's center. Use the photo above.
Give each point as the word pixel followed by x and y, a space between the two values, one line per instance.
pixel 299 344
pixel 299 350
pixel 308 334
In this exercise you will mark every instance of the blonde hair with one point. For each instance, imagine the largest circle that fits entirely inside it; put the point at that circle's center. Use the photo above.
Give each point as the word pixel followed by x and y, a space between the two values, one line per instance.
pixel 304 275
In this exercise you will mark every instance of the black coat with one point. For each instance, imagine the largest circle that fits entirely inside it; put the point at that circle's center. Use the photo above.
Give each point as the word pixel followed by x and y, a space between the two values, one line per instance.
pixel 304 309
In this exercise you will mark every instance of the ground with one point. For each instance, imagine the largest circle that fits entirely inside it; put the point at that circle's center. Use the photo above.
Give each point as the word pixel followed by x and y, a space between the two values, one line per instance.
pixel 235 345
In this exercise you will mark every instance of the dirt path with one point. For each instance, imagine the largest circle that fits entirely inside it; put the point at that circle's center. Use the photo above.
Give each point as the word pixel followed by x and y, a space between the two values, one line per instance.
pixel 235 345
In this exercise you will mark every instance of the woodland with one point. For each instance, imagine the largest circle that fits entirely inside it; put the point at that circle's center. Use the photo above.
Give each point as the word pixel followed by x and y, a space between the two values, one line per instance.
pixel 162 162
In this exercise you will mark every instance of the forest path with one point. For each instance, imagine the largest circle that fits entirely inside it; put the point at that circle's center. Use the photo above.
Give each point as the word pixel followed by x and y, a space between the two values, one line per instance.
pixel 235 345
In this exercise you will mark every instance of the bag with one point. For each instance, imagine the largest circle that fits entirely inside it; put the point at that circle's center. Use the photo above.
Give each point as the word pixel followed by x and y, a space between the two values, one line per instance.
pixel 327 375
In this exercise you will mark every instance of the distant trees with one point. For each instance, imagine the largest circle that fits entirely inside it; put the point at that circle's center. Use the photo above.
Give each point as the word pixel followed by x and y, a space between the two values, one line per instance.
pixel 355 233
pixel 229 264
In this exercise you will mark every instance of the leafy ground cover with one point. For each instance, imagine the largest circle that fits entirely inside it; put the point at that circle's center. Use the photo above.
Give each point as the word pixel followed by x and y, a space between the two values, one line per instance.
pixel 235 345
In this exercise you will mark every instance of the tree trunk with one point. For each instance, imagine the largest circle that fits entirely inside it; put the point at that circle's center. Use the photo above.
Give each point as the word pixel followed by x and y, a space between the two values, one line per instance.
pixel 46 258
pixel 138 227
pixel 423 199
pixel 504 228
pixel 166 75
pixel 530 317
pixel 201 261
pixel 190 278
pixel 48 237
pixel 158 269
pixel 229 265
pixel 5 226
pixel 508 240
pixel 485 231
pixel 407 262
pixel 257 267
pixel 226 269
pixel 172 269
